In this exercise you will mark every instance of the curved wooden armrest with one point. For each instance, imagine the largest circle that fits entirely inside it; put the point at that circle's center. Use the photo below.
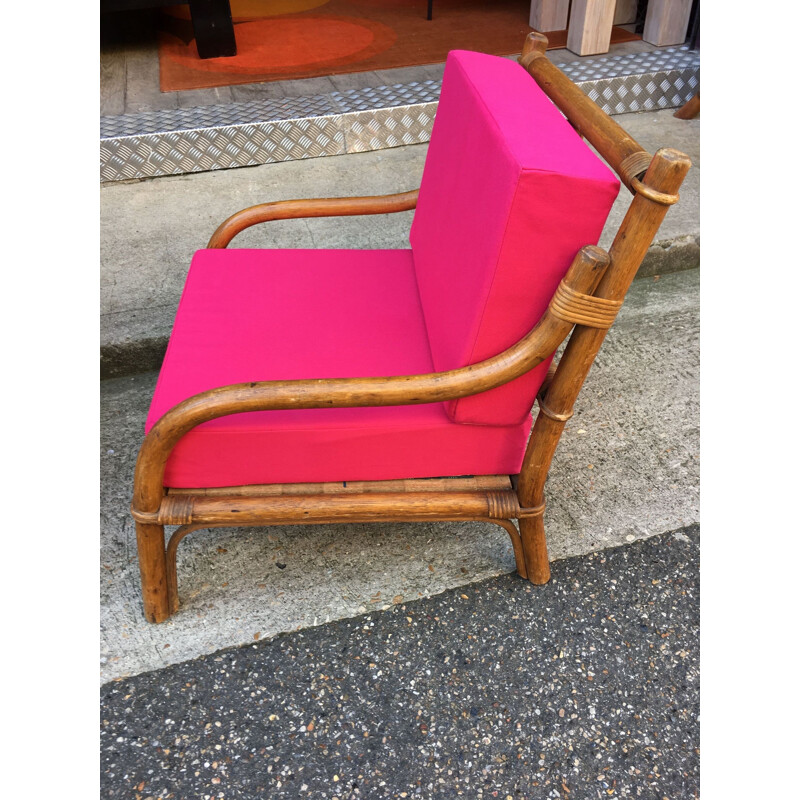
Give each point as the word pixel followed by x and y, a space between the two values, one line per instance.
pixel 323 207
pixel 586 271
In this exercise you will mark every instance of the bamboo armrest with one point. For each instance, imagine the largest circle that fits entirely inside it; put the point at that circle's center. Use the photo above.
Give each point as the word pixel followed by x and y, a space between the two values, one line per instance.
pixel 583 276
pixel 322 207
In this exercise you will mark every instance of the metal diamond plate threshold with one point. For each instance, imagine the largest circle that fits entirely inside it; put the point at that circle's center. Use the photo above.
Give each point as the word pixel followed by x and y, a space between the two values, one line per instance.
pixel 180 141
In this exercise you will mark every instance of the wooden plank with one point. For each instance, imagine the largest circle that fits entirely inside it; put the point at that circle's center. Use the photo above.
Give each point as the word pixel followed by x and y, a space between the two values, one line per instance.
pixel 625 12
pixel 549 15
pixel 590 26
pixel 666 22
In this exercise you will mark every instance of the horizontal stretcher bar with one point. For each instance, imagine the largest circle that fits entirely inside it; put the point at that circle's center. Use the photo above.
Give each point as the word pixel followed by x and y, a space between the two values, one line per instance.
pixel 305 509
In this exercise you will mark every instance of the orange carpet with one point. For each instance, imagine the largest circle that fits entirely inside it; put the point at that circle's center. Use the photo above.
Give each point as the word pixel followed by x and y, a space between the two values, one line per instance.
pixel 286 39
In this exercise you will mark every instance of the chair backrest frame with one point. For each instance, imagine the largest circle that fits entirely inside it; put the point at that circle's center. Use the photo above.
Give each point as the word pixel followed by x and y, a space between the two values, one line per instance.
pixel 654 182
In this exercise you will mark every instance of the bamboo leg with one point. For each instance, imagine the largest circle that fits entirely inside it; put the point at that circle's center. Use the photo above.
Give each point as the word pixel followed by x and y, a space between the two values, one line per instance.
pixel 172 564
pixel 542 447
pixel 516 542
pixel 690 109
pixel 538 456
pixel 153 568
pixel 534 545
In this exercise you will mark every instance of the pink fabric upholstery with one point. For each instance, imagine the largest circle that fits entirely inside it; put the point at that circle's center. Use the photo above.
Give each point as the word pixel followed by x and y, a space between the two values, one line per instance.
pixel 252 315
pixel 509 194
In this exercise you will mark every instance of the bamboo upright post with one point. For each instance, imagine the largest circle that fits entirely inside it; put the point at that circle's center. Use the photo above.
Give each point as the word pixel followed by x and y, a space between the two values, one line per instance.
pixel 153 571
pixel 664 177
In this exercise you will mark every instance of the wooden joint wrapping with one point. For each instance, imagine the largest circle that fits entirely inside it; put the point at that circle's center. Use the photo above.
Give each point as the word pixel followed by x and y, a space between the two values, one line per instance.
pixel 633 166
pixel 176 510
pixel 543 409
pixel 527 513
pixel 651 194
pixel 502 505
pixel 583 309
pixel 527 59
pixel 145 517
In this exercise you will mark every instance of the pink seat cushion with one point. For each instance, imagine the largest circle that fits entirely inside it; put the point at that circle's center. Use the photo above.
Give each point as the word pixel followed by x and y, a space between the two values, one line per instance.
pixel 254 315
pixel 509 195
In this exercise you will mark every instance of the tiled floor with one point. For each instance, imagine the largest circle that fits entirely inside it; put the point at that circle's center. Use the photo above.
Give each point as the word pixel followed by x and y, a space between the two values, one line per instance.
pixel 129 81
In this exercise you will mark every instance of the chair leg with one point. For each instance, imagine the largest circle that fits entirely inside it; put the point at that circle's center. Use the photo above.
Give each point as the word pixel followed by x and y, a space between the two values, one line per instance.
pixel 153 568
pixel 534 545
pixel 690 109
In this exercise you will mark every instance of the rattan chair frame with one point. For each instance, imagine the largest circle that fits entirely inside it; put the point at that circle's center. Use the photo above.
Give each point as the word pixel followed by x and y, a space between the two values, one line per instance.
pixel 583 308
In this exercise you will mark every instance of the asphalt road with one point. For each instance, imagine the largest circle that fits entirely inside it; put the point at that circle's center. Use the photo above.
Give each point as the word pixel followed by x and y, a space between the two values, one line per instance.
pixel 585 688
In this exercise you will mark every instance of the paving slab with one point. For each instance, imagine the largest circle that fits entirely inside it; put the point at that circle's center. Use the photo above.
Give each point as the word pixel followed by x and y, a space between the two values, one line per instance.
pixel 151 228
pixel 585 688
pixel 627 469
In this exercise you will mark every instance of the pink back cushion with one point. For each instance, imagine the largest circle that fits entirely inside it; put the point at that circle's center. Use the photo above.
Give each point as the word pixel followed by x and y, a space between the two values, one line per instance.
pixel 509 195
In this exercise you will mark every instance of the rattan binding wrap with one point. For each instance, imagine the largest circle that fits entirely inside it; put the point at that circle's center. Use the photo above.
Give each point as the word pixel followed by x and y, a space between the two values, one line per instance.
pixel 583 309
pixel 651 194
pixel 502 505
pixel 177 510
pixel 633 166
pixel 530 513
pixel 552 414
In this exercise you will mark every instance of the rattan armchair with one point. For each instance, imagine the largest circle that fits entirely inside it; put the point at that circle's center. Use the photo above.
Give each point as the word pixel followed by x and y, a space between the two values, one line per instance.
pixel 582 307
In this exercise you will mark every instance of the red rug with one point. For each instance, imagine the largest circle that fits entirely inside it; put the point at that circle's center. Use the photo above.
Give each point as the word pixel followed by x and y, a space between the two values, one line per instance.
pixel 287 39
